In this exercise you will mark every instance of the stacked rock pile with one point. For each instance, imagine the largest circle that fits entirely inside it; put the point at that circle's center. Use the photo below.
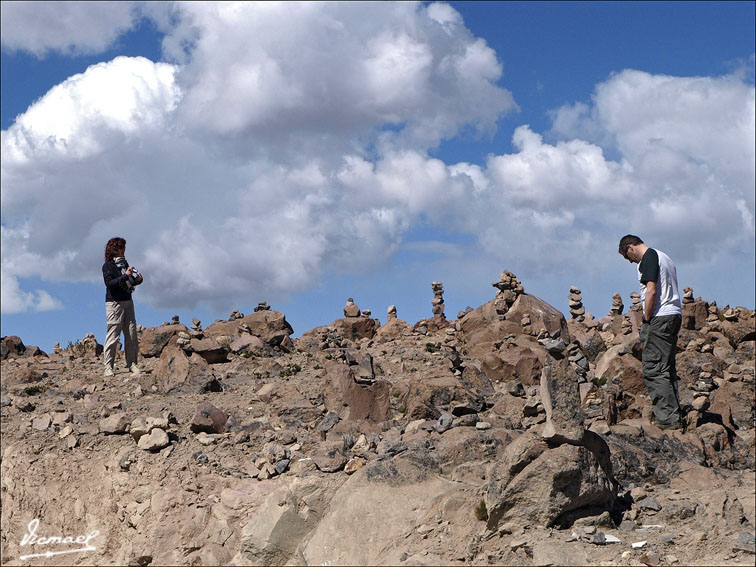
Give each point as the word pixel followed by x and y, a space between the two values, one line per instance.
pixel 577 311
pixel 437 303
pixel 713 313
pixel 636 302
pixel 617 306
pixel 391 312
pixel 196 325
pixel 235 314
pixel 627 325
pixel 262 306
pixel 688 295
pixel 351 309
pixel 509 288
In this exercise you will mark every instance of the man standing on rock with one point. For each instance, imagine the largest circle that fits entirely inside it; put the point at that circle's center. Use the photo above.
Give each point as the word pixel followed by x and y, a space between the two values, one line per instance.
pixel 662 318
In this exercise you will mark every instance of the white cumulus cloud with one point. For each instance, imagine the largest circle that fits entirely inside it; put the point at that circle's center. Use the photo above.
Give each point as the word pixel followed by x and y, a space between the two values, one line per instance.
pixel 285 140
pixel 40 27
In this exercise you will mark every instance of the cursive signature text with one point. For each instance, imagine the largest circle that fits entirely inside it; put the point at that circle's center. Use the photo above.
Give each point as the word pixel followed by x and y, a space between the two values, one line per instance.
pixel 31 538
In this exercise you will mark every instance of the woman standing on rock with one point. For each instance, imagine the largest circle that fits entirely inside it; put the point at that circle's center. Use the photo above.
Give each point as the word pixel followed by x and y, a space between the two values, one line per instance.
pixel 120 280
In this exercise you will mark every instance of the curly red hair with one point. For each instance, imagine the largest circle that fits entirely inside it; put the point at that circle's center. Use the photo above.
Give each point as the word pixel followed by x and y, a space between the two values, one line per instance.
pixel 114 246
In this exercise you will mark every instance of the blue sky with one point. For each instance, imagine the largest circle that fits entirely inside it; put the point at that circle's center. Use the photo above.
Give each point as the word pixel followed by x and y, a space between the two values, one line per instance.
pixel 303 154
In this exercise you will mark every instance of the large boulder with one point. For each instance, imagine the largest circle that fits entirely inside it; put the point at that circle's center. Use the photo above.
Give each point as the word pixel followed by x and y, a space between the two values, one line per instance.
pixel 281 520
pixel 735 402
pixel 523 362
pixel 618 366
pixel 356 328
pixel 360 401
pixel 492 322
pixel 392 329
pixel 271 326
pixel 741 328
pixel 535 484
pixel 11 346
pixel 208 419
pixel 694 315
pixel 152 341
pixel 246 343
pixel 178 371
pixel 209 349
pixel 561 400
pixel 351 532
pixel 589 339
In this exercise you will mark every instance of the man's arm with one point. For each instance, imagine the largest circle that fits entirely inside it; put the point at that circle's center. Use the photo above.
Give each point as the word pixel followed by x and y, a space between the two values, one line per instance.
pixel 648 308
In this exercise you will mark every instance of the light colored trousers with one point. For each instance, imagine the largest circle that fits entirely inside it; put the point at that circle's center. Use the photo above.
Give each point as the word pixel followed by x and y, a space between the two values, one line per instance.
pixel 120 316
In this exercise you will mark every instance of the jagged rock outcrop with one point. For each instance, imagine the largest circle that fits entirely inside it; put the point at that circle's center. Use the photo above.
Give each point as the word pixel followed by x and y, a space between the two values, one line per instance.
pixel 508 436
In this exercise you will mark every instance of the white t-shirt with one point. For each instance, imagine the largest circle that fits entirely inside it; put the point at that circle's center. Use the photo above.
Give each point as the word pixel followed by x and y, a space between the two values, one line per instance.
pixel 657 266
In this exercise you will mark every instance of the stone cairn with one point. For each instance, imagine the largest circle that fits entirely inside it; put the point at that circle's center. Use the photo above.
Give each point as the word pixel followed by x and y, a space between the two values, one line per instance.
pixel 509 288
pixel 617 306
pixel 627 325
pixel 262 306
pixel 196 325
pixel 577 311
pixel 391 312
pixel 437 303
pixel 56 348
pixel 688 295
pixel 235 314
pixel 636 305
pixel 366 312
pixel 350 309
pixel 713 313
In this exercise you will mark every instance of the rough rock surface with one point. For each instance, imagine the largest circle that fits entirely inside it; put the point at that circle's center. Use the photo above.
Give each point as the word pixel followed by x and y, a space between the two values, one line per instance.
pixel 509 436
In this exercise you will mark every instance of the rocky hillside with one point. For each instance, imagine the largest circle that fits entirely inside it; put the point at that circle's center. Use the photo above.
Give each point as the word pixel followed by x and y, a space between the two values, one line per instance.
pixel 509 436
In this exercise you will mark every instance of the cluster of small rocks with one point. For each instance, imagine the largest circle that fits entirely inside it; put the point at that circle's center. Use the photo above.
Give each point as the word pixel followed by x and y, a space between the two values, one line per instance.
pixel 577 311
pixel 688 295
pixel 636 302
pixel 262 306
pixel 196 325
pixel 235 314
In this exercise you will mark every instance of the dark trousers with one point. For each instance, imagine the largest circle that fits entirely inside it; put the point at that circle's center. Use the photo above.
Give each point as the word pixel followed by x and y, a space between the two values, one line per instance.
pixel 659 340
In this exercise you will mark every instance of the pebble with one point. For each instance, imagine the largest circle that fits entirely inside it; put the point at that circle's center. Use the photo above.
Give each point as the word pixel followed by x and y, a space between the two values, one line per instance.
pixel 482 425
pixel 42 422
pixel 425 529
pixel 205 439
pixel 154 441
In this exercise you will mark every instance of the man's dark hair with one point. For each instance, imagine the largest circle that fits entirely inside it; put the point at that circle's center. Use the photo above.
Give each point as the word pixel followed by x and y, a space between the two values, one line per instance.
pixel 628 240
pixel 112 247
